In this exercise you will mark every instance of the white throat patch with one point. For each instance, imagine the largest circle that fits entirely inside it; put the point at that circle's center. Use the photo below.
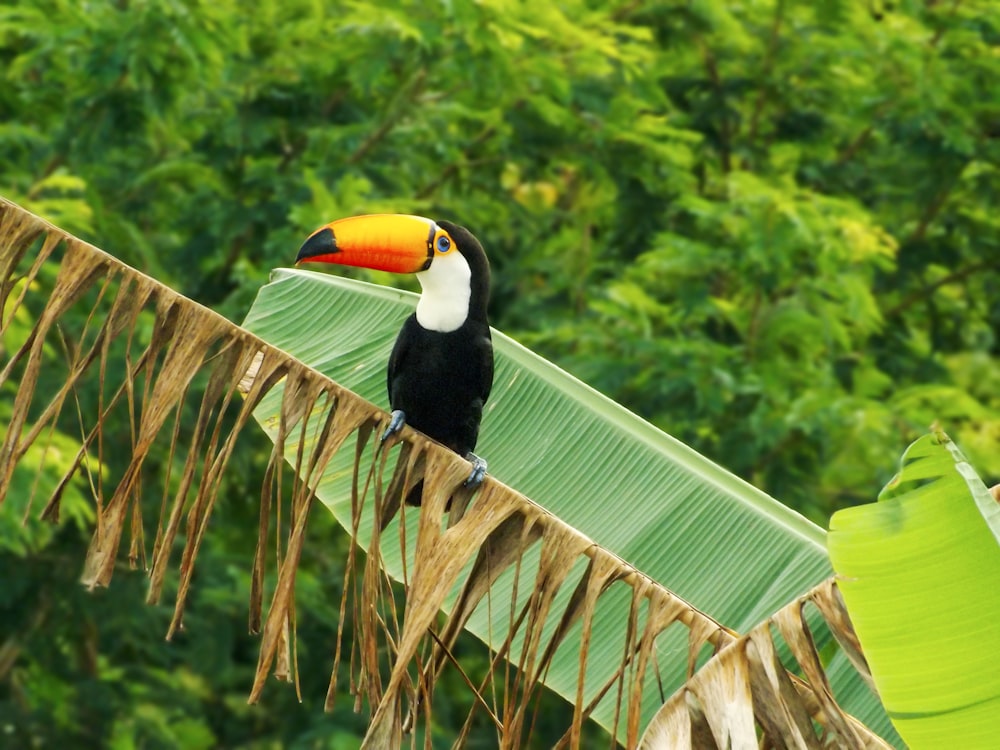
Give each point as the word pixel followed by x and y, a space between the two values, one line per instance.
pixel 447 287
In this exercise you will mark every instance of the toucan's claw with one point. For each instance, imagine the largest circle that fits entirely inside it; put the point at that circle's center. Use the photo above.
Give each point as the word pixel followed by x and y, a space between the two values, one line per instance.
pixel 396 422
pixel 478 470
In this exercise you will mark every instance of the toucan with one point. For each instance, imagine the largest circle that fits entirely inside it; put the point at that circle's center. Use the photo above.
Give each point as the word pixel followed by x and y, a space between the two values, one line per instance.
pixel 441 368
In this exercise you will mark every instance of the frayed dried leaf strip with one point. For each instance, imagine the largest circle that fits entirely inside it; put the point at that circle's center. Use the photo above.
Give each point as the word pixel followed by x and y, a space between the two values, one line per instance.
pixel 791 712
pixel 435 571
pixel 75 362
pixel 274 634
pixel 560 552
pixel 327 441
pixel 193 337
pixel 681 723
pixel 116 320
pixel 672 731
pixel 508 542
pixel 404 477
pixel 298 397
pixel 350 590
pixel 796 633
pixel 723 691
pixel 359 492
pixel 373 592
pixel 25 282
pixel 830 604
pixel 216 399
pixel 531 530
pixel 376 590
pixel 77 273
pixel 701 631
pixel 370 627
pixel 778 706
pixel 504 546
pixel 18 231
pixel 623 679
pixel 51 510
pixel 298 401
pixel 664 610
pixel 79 270
pixel 280 643
pixel 601 572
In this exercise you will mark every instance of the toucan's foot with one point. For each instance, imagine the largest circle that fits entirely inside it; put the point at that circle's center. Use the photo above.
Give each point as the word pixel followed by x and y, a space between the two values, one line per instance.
pixel 478 470
pixel 396 422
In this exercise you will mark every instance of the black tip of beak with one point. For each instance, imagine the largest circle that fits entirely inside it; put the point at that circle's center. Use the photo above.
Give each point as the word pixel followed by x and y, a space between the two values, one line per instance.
pixel 319 243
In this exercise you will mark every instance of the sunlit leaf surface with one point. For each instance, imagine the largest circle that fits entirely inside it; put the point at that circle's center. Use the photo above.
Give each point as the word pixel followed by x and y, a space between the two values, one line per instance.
pixel 920 574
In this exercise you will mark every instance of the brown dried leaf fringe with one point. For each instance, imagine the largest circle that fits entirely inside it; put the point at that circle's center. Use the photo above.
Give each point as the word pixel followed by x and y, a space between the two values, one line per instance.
pixel 150 348
pixel 745 684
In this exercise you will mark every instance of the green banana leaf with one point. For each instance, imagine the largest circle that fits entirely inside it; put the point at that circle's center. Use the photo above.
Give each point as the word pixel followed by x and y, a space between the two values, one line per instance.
pixel 920 575
pixel 708 536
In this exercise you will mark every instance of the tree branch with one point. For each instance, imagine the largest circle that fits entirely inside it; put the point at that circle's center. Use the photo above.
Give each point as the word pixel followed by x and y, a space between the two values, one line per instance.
pixel 920 294
pixel 410 90
pixel 769 55
pixel 725 136
pixel 862 138
pixel 855 145
pixel 939 32
pixel 933 208
pixel 449 171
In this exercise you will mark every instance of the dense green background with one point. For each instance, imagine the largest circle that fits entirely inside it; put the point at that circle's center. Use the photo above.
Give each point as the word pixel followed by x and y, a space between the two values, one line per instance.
pixel 768 227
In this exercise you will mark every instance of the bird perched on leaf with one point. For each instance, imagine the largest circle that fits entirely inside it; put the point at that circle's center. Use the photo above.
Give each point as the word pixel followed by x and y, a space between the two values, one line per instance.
pixel 441 368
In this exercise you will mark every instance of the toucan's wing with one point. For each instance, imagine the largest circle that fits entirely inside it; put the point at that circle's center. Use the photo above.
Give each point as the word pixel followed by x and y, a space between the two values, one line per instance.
pixel 397 360
pixel 486 382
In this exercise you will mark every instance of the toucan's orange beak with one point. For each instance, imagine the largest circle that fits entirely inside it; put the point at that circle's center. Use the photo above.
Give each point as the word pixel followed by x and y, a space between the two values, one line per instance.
pixel 386 242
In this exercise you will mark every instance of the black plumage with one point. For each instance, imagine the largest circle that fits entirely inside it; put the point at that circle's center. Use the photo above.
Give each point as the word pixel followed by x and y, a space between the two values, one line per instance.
pixel 441 380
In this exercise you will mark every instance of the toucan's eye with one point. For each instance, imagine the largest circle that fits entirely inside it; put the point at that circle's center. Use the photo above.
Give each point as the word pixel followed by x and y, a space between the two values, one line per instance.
pixel 443 243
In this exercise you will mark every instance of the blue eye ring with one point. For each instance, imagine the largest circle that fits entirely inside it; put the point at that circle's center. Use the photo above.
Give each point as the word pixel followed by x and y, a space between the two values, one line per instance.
pixel 443 243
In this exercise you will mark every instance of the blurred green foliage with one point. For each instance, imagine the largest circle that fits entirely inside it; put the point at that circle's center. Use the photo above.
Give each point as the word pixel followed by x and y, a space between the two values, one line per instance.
pixel 767 226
